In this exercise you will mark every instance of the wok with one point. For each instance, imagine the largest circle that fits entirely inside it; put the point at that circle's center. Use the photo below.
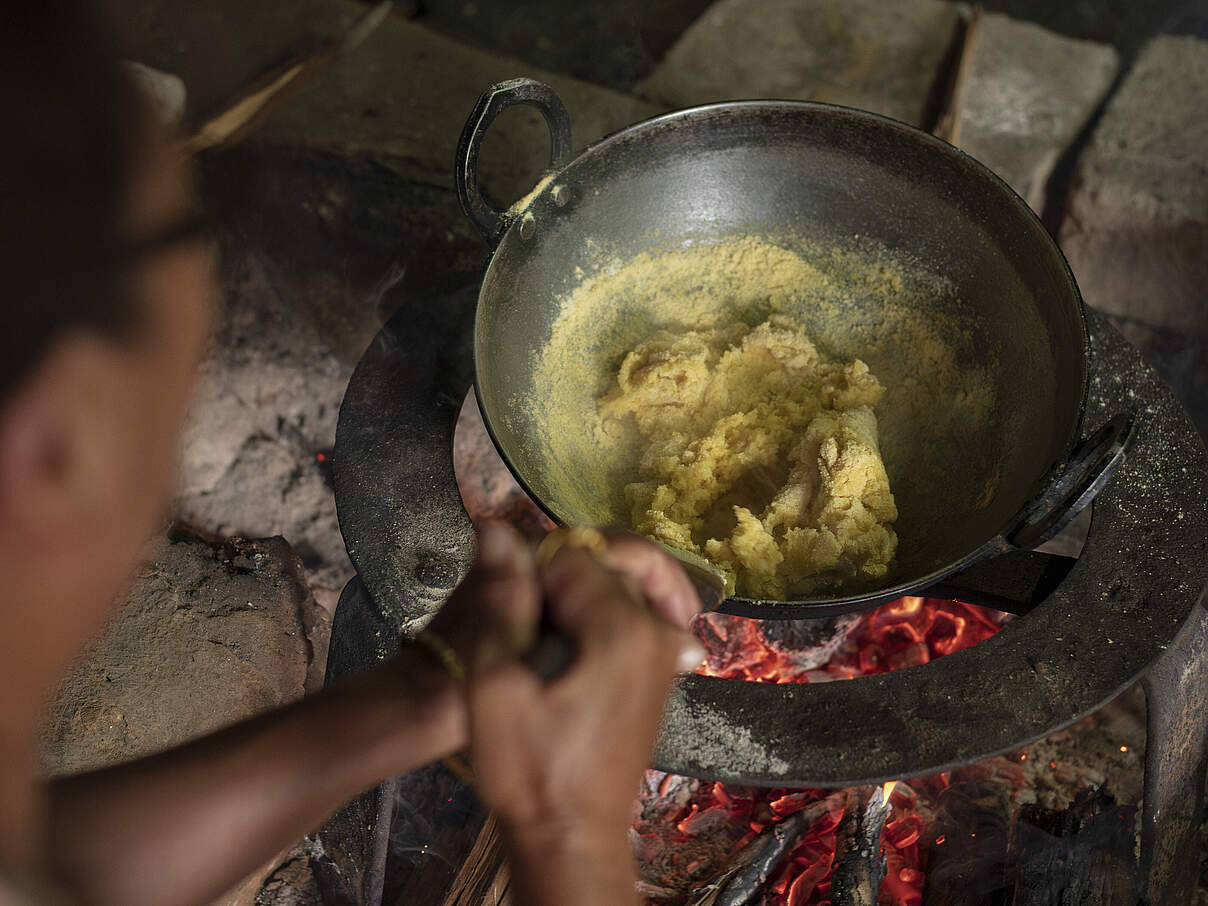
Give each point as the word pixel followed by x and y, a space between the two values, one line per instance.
pixel 835 185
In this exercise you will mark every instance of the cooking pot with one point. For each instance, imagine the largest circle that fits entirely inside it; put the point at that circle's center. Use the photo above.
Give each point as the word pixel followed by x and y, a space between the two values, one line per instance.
pixel 833 185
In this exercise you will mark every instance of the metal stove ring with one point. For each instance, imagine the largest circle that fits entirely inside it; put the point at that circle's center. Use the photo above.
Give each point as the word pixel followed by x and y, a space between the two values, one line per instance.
pixel 1138 579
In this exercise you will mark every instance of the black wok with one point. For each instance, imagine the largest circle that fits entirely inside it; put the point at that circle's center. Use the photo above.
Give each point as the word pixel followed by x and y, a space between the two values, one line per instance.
pixel 808 177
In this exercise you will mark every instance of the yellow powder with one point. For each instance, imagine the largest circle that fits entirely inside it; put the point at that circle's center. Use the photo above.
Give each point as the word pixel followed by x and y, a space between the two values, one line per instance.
pixel 759 454
pixel 519 206
pixel 936 427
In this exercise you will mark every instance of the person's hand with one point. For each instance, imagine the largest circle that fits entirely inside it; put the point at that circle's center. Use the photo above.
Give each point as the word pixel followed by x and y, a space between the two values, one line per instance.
pixel 560 763
pixel 493 613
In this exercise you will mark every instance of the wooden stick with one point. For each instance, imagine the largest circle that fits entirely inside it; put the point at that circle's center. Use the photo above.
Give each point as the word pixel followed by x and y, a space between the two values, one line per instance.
pixel 270 91
pixel 760 859
pixel 859 860
pixel 948 123
pixel 499 893
pixel 483 877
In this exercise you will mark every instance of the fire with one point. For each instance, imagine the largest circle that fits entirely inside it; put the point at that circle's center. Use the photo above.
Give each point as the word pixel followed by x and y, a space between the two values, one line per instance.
pixel 907 632
pixel 696 828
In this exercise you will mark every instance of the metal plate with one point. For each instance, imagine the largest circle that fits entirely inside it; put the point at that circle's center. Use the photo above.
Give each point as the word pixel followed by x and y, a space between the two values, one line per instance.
pixel 396 496
pixel 1138 579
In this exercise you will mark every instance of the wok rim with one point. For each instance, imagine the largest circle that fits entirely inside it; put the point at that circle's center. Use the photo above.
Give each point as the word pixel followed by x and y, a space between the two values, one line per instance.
pixel 756 608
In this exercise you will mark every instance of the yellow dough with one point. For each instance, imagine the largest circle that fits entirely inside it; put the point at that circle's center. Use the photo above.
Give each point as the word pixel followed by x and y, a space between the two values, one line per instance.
pixel 759 454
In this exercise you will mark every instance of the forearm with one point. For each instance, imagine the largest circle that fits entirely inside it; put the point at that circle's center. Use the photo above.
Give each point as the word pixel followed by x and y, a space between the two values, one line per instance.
pixel 549 868
pixel 181 827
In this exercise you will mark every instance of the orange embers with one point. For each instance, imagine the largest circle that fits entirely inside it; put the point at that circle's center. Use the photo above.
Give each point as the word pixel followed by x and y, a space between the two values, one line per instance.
pixel 913 631
pixel 903 633
pixel 685 842
pixel 686 849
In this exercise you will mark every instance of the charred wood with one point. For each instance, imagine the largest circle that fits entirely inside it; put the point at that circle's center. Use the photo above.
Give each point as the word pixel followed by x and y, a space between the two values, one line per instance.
pixel 1084 855
pixel 1079 856
pixel 973 817
pixel 758 861
pixel 860 864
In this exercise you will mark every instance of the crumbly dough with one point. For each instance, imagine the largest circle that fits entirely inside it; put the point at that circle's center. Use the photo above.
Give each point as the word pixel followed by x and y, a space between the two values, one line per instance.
pixel 759 454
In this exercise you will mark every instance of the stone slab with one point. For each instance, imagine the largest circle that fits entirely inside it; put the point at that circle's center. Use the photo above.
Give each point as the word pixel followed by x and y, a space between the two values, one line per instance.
pixel 400 99
pixel 614 44
pixel 209 634
pixel 878 56
pixel 217 47
pixel 404 96
pixel 1030 92
pixel 1135 226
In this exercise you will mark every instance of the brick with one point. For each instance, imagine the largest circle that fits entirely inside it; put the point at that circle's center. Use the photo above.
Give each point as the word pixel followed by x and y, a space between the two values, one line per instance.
pixel 1030 93
pixel 878 56
pixel 1135 227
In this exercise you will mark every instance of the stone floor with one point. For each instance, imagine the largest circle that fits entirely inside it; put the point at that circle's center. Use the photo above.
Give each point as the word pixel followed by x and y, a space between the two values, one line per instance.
pixel 210 633
pixel 342 207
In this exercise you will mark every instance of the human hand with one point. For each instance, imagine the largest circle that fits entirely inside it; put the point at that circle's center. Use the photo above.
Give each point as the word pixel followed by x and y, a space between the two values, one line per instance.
pixel 560 763
pixel 494 612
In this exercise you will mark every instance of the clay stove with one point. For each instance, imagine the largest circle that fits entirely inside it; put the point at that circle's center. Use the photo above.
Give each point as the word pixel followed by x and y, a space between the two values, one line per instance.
pixel 1131 608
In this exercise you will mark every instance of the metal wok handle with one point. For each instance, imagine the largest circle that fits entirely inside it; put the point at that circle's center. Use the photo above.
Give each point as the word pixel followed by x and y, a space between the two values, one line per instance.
pixel 1091 466
pixel 496 99
pixel 1009 575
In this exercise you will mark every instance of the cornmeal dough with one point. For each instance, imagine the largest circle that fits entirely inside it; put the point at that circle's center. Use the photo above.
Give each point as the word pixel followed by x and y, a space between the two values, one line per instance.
pixel 759 454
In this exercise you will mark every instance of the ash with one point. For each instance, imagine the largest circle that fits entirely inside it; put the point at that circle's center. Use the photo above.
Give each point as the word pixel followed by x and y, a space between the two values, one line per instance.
pixel 261 425
pixel 720 738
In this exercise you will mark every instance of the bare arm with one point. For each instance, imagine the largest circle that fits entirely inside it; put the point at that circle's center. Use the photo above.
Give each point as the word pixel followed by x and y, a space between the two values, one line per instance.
pixel 595 870
pixel 182 827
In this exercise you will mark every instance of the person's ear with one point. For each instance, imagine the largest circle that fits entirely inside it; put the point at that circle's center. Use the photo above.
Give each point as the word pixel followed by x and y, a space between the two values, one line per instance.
pixel 60 448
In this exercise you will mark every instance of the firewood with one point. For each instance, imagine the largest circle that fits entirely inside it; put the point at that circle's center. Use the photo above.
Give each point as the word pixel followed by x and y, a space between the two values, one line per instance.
pixel 859 861
pixel 483 877
pixel 758 861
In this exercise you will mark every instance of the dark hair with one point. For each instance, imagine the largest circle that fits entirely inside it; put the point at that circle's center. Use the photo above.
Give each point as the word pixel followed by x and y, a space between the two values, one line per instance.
pixel 72 122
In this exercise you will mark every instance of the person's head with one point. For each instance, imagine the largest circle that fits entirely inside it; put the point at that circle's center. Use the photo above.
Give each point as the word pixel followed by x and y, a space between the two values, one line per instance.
pixel 105 300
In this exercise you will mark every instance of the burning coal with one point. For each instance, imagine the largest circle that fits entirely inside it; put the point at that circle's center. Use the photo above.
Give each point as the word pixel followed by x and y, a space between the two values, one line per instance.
pixel 694 838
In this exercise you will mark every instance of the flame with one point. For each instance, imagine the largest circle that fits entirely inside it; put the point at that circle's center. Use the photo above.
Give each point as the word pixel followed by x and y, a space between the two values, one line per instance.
pixel 689 845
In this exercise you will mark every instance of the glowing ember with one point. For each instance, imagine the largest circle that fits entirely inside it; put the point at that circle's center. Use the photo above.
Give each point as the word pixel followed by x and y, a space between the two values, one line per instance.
pixel 903 633
pixel 688 831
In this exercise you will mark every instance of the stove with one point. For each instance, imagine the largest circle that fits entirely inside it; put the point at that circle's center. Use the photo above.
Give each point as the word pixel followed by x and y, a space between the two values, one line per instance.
pixel 1130 608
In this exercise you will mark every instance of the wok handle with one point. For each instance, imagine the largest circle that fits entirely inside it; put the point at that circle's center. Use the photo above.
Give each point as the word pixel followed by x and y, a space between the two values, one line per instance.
pixel 1010 576
pixel 496 99
pixel 1089 469
pixel 1013 582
